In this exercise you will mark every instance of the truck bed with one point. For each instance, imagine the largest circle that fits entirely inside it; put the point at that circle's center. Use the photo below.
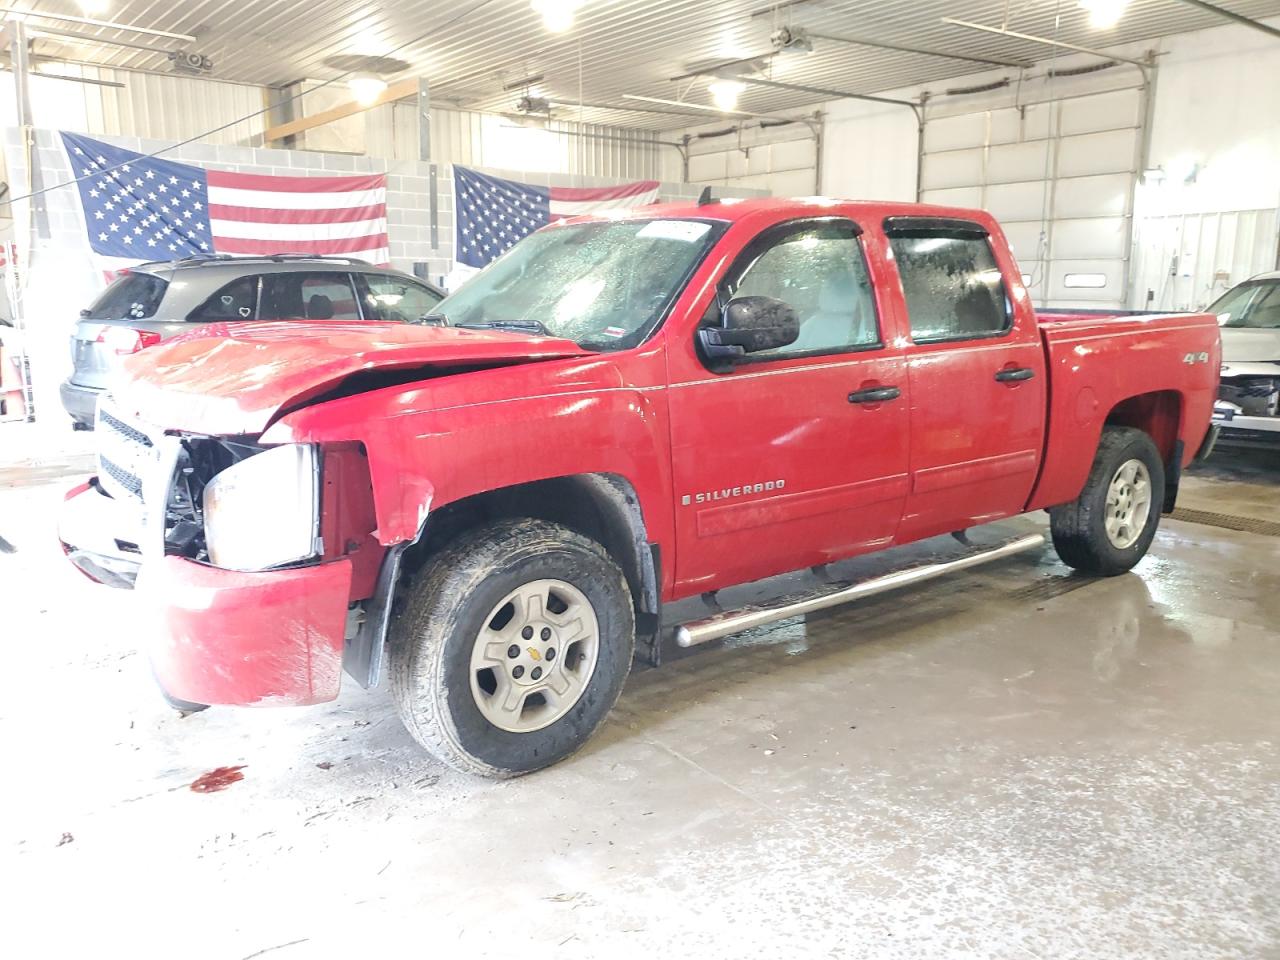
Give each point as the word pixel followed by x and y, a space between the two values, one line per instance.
pixel 1125 368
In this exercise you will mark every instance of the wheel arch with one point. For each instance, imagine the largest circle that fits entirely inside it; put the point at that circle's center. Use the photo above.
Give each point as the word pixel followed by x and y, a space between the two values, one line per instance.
pixel 1157 413
pixel 602 506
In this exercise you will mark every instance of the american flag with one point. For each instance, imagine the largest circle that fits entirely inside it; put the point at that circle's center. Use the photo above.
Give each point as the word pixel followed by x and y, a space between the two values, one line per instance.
pixel 492 214
pixel 148 208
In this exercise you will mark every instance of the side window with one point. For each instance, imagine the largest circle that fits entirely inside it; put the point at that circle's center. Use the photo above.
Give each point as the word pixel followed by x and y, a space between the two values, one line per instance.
pixel 952 285
pixel 819 269
pixel 236 301
pixel 308 296
pixel 389 297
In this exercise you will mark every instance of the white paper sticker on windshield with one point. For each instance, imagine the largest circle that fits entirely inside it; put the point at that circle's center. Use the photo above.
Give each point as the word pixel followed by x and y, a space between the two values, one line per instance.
pixel 685 230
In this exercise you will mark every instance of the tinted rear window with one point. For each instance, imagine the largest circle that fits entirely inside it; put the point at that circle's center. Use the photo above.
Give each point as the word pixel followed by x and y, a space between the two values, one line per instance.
pixel 135 296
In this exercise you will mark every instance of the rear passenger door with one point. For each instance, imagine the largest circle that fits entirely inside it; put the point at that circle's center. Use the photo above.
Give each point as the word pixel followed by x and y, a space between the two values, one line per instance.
pixel 975 366
pixel 303 295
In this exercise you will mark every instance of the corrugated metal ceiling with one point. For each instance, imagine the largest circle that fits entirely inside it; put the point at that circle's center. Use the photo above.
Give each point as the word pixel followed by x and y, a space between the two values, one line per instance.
pixel 476 47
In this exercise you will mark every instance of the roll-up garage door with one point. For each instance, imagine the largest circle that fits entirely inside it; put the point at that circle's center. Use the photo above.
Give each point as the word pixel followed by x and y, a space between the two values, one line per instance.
pixel 780 158
pixel 1057 167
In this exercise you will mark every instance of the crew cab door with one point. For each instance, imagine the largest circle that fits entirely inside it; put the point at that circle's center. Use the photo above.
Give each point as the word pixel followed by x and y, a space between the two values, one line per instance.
pixel 790 458
pixel 975 367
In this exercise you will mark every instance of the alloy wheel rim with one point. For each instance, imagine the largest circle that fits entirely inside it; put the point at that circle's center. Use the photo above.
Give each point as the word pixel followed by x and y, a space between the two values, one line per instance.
pixel 1128 504
pixel 534 656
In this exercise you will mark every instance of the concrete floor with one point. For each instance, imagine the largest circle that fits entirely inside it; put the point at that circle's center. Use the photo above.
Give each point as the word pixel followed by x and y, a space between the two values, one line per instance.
pixel 1015 762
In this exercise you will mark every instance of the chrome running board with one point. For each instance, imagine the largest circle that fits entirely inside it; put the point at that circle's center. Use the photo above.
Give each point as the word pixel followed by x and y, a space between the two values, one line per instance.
pixel 723 624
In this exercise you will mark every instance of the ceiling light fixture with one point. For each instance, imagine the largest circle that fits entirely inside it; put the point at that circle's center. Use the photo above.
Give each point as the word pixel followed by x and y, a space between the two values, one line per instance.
pixel 367 88
pixel 557 15
pixel 1104 14
pixel 724 93
pixel 93 8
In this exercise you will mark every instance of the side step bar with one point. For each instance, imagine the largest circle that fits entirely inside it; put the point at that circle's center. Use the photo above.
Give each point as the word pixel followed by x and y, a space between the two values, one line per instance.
pixel 723 624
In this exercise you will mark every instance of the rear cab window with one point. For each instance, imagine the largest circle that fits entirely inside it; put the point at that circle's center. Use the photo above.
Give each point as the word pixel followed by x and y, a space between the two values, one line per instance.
pixel 950 279
pixel 133 296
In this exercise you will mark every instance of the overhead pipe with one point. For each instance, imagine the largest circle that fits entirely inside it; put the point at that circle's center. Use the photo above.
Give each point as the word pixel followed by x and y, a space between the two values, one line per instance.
pixel 1031 38
pixel 924 51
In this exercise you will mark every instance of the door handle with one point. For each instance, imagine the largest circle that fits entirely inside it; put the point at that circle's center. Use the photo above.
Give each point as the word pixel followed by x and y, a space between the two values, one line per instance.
pixel 1015 375
pixel 874 394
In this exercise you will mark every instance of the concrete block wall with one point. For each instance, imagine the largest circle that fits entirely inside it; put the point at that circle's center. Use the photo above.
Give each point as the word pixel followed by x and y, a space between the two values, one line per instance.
pixel 59 276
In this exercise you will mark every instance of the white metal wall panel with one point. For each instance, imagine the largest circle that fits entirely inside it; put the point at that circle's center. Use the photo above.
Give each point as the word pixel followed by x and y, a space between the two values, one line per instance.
pixel 145 105
pixel 1184 262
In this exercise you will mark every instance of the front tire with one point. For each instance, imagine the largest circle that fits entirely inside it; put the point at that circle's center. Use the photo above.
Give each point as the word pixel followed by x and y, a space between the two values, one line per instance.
pixel 1110 526
pixel 513 648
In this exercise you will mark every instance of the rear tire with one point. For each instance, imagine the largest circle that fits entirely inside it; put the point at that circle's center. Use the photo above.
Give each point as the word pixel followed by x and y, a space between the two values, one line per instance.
pixel 513 647
pixel 1110 526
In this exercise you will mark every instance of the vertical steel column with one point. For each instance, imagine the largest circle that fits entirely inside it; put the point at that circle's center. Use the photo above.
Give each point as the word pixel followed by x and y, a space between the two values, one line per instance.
pixel 424 120
pixel 38 220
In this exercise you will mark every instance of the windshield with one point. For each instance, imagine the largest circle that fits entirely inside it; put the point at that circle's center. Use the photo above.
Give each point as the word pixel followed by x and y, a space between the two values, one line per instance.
pixel 1255 304
pixel 603 285
pixel 134 296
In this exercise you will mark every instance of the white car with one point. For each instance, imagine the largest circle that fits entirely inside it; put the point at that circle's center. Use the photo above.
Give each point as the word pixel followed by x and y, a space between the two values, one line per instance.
pixel 1249 394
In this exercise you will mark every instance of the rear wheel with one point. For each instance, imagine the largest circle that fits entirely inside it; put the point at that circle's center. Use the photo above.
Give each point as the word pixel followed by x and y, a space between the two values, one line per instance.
pixel 1110 526
pixel 513 648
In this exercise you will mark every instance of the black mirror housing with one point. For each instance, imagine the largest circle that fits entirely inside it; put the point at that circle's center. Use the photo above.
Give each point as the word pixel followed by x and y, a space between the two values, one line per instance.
pixel 749 325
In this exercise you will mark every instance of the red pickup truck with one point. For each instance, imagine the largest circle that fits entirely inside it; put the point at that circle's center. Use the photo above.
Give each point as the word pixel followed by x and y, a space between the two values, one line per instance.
pixel 618 413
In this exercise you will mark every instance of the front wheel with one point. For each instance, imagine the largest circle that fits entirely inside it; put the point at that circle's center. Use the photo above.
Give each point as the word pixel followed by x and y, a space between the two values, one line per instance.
pixel 1110 526
pixel 513 648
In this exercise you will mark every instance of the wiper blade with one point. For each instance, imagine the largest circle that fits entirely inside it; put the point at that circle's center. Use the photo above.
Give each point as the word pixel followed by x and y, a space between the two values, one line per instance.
pixel 522 326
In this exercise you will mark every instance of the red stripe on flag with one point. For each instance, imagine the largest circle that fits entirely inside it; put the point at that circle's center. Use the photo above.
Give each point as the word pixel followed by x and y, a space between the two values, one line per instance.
pixel 371 242
pixel 259 181
pixel 596 194
pixel 223 211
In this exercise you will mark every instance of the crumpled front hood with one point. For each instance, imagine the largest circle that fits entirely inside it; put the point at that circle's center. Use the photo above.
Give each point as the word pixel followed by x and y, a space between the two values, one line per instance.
pixel 229 379
pixel 1241 345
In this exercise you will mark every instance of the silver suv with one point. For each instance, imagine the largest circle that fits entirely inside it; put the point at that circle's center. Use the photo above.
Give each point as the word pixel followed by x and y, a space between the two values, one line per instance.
pixel 156 301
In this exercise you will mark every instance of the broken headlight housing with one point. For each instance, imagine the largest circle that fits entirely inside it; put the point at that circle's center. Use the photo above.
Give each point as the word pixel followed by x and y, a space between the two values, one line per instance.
pixel 263 511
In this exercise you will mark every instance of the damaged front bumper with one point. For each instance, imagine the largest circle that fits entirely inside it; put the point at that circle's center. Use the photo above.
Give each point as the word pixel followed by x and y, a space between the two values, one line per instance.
pixel 217 636
pixel 100 536
pixel 246 639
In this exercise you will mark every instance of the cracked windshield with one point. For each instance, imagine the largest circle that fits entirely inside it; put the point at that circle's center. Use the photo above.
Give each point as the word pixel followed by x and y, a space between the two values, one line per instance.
pixel 603 285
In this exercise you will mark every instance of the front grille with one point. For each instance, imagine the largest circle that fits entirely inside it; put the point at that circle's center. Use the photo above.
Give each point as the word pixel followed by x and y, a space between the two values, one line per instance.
pixel 119 426
pixel 126 453
pixel 130 482
pixel 1255 396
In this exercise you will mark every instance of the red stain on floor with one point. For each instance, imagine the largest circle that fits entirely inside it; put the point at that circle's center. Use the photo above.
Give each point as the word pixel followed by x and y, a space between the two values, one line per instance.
pixel 216 780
